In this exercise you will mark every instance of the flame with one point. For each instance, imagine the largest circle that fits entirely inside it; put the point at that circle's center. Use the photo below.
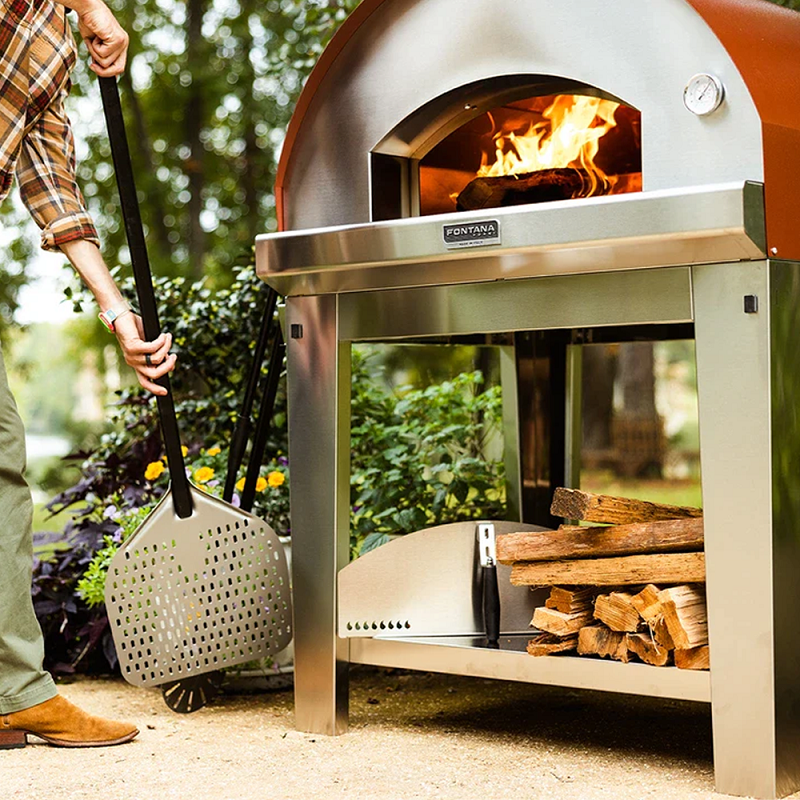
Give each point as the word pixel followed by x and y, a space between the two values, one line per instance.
pixel 569 137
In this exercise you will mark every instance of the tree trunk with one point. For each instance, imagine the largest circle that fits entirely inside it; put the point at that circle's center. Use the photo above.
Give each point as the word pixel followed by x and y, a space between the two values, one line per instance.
pixel 599 370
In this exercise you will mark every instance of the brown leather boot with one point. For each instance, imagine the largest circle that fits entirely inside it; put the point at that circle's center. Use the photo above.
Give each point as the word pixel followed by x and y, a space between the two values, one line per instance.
pixel 62 724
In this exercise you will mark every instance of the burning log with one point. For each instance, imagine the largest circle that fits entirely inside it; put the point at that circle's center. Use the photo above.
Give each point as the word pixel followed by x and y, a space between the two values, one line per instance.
pixel 574 541
pixel 558 623
pixel 514 190
pixel 575 504
pixel 622 571
pixel 546 644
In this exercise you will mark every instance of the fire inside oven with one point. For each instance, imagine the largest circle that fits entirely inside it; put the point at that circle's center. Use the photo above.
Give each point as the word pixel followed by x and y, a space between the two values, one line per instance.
pixel 535 150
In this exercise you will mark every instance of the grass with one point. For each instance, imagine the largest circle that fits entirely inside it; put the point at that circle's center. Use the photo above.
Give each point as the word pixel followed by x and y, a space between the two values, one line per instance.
pixel 674 492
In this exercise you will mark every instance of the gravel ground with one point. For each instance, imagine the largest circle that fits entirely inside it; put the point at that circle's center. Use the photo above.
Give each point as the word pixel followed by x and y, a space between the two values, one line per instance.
pixel 412 735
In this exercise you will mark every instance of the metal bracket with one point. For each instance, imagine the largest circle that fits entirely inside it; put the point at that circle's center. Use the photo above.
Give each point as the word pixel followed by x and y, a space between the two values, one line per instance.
pixel 487 543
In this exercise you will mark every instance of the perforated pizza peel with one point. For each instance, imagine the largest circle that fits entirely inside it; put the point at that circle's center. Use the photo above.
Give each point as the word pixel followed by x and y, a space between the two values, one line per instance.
pixel 201 585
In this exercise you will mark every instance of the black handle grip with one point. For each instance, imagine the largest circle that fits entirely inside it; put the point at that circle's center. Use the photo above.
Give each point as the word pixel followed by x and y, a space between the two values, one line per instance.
pixel 263 424
pixel 181 495
pixel 244 422
pixel 491 605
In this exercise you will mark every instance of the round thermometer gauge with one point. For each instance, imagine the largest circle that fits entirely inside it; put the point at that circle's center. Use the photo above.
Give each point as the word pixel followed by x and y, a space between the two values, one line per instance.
pixel 703 94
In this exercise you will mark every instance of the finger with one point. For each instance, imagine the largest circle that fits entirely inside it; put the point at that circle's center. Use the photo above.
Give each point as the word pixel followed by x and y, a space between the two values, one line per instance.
pixel 157 370
pixel 117 68
pixel 150 386
pixel 160 354
pixel 138 347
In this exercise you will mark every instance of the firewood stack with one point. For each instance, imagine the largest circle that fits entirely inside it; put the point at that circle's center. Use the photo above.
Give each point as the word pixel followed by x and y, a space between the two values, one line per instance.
pixel 631 587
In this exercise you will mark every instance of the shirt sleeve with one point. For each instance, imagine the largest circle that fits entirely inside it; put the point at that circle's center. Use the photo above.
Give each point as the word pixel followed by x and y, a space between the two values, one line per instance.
pixel 46 174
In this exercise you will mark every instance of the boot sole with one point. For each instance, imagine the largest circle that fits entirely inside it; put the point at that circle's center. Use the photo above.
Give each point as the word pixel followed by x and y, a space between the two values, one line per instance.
pixel 10 740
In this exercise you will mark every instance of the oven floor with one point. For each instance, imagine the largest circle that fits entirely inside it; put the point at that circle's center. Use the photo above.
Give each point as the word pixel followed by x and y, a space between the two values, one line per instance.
pixel 412 735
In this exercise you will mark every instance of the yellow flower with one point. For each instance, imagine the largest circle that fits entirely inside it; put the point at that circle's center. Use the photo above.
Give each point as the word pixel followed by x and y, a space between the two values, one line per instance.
pixel 240 485
pixel 276 479
pixel 213 451
pixel 184 450
pixel 261 484
pixel 203 474
pixel 154 469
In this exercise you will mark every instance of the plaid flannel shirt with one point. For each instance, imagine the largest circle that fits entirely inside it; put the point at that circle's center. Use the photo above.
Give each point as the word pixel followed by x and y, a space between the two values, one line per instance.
pixel 37 53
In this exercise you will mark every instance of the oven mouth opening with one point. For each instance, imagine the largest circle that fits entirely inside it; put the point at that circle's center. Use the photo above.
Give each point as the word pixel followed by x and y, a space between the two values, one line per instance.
pixel 534 150
pixel 507 141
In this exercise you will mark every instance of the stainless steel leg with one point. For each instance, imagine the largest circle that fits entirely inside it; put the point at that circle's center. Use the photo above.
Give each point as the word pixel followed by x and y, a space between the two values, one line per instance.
pixel 511 439
pixel 749 389
pixel 319 444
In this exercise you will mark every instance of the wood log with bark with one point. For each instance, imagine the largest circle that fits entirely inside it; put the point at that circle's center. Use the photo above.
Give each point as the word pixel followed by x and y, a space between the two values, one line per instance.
pixel 619 571
pixel 570 600
pixel 575 504
pixel 558 623
pixel 616 611
pixel 547 644
pixel 693 658
pixel 575 541
pixel 597 640
pixel 542 186
pixel 647 649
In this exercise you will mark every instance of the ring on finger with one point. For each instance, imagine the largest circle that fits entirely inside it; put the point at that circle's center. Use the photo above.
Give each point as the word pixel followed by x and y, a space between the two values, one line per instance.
pixel 148 360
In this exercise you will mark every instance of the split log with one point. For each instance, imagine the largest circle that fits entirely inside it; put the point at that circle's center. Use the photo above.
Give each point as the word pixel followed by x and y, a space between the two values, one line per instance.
pixel 559 624
pixel 647 649
pixel 646 603
pixel 693 658
pixel 684 611
pixel 616 612
pixel 545 644
pixel 597 640
pixel 575 541
pixel 661 634
pixel 620 571
pixel 575 504
pixel 570 601
pixel 542 186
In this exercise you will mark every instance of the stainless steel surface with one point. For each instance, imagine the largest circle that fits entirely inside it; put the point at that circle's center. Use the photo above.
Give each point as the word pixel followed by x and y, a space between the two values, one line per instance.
pixel 573 438
pixel 487 544
pixel 319 436
pixel 614 298
pixel 748 375
pixel 411 53
pixel 631 231
pixel 466 656
pixel 427 584
pixel 511 462
pixel 193 595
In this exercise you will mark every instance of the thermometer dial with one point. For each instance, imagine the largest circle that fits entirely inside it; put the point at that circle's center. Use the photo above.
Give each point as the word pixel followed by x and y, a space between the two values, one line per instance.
pixel 703 94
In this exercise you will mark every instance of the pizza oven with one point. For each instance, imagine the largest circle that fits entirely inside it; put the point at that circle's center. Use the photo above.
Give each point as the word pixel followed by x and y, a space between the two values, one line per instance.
pixel 540 175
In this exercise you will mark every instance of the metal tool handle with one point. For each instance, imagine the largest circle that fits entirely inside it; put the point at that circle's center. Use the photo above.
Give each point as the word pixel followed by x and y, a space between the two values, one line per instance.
pixel 181 494
pixel 244 422
pixel 264 419
pixel 491 605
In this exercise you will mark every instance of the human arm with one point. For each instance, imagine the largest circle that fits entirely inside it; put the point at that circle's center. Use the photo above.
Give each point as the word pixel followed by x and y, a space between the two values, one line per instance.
pixel 105 38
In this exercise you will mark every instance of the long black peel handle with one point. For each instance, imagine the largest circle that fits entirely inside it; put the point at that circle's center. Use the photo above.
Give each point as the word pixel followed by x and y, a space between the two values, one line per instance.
pixel 181 494
pixel 245 421
pixel 263 424
pixel 491 605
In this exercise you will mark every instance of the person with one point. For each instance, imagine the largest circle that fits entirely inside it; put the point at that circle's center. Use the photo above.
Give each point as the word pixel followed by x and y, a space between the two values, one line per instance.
pixel 37 53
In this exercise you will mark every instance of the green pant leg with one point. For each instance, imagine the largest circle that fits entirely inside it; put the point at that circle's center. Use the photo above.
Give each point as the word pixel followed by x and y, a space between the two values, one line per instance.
pixel 23 682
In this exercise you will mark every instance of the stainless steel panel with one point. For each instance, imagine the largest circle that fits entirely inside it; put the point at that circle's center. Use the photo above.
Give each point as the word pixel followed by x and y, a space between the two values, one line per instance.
pixel 319 435
pixel 616 298
pixel 734 369
pixel 655 229
pixel 428 583
pixel 461 656
pixel 411 53
pixel 573 434
pixel 511 462
pixel 784 309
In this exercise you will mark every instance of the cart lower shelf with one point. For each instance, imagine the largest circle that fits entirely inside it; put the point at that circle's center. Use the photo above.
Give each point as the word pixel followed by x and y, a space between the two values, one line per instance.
pixel 468 655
